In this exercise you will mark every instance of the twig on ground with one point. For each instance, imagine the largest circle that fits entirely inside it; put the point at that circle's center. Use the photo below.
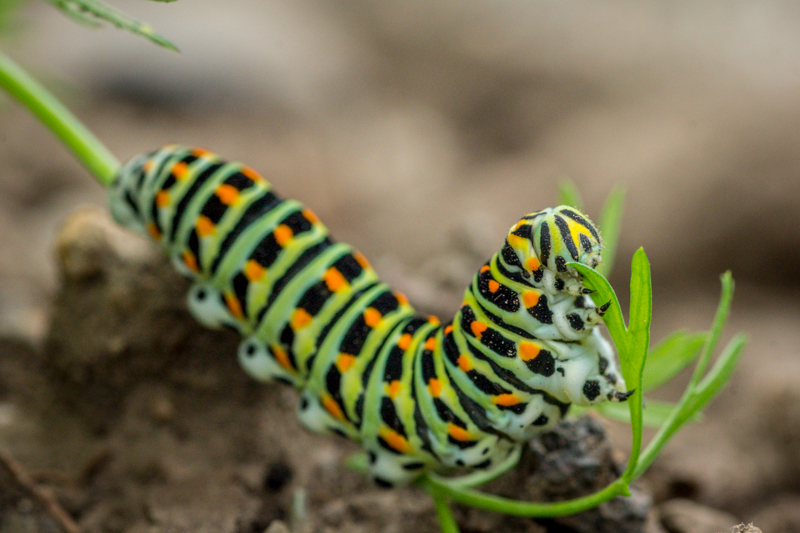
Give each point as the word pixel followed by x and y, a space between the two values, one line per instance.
pixel 42 495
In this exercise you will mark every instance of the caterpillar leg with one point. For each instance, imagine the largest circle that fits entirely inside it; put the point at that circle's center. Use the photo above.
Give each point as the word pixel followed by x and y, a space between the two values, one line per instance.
pixel 574 318
pixel 391 470
pixel 317 414
pixel 262 362
pixel 538 414
pixel 590 379
pixel 207 306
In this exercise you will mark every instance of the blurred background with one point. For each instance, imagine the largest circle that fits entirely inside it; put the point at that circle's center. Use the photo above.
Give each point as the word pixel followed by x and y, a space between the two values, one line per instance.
pixel 420 131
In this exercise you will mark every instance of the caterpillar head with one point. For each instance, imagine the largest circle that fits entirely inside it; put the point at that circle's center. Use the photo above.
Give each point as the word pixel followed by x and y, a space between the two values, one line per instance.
pixel 563 234
pixel 549 239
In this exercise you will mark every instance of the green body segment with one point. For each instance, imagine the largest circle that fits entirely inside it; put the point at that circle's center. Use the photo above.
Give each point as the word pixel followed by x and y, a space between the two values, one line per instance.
pixel 417 394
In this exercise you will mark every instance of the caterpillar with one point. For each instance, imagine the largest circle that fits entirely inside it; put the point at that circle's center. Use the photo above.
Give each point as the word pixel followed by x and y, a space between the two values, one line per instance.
pixel 417 393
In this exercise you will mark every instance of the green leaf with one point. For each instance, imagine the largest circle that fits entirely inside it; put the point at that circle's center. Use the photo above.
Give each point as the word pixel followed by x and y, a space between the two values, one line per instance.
pixel 633 359
pixel 610 224
pixel 670 356
pixel 631 343
pixel 77 15
pixel 654 414
pixel 568 194
pixel 92 12
pixel 723 309
pixel 603 293
pixel 722 370
pixel 700 389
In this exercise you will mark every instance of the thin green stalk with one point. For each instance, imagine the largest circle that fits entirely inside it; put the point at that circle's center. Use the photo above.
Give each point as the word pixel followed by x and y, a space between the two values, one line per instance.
pixel 723 309
pixel 443 511
pixel 499 504
pixel 64 125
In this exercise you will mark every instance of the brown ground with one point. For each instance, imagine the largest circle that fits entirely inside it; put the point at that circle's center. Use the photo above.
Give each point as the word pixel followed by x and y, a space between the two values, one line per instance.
pixel 418 135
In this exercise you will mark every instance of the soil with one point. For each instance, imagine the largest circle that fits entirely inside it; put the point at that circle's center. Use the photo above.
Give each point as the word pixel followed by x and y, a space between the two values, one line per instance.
pixel 418 135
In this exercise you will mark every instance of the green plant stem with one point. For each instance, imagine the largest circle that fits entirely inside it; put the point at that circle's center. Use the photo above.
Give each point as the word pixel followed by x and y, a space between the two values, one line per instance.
pixel 443 511
pixel 499 504
pixel 87 148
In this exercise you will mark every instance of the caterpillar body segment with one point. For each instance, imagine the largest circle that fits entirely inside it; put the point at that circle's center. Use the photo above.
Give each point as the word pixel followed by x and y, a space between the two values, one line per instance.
pixel 416 393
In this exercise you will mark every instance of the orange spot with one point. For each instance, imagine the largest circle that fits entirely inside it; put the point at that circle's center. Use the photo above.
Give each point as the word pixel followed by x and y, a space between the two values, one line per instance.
pixel 282 357
pixel 448 328
pixel 148 165
pixel 228 194
pixel 344 361
pixel 204 226
pixel 530 298
pixel 464 363
pixel 162 198
pixel 252 174
pixel 405 341
pixel 200 152
pixel 190 261
pixel 310 215
pixel 394 439
pixel 430 344
pixel 401 298
pixel 485 268
pixel 433 320
pixel 283 234
pixel 300 318
pixel 493 286
pixel 532 263
pixel 528 351
pixel 331 406
pixel 372 317
pixel 253 271
pixel 152 229
pixel 334 280
pixel 477 328
pixel 434 387
pixel 233 305
pixel 394 388
pixel 458 433
pixel 179 170
pixel 361 260
pixel 505 399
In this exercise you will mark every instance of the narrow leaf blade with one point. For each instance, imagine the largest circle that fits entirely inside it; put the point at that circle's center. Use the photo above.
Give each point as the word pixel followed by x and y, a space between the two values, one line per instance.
pixel 610 224
pixel 654 414
pixel 568 194
pixel 670 356
pixel 603 293
pixel 91 11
